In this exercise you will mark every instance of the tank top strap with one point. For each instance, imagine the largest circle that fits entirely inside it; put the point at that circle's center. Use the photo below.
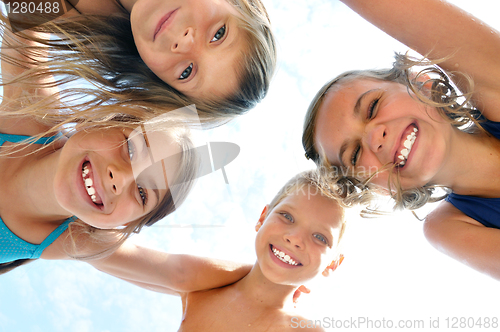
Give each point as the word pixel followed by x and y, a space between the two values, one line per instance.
pixel 27 139
pixel 52 237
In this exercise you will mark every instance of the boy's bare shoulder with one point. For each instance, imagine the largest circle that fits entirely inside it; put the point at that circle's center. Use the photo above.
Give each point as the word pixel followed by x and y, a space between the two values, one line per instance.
pixel 224 309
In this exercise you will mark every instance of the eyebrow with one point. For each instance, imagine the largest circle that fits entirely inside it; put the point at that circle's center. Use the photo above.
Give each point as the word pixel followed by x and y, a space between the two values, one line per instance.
pixel 356 111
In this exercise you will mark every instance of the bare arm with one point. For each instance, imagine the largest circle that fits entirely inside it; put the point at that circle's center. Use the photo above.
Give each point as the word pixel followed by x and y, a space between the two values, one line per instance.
pixel 439 29
pixel 161 271
pixel 464 239
pixel 94 7
pixel 15 94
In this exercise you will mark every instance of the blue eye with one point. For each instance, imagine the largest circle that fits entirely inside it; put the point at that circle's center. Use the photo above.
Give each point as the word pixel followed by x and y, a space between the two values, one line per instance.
pixel 219 34
pixel 187 72
pixel 131 153
pixel 131 149
pixel 143 193
pixel 321 238
pixel 287 216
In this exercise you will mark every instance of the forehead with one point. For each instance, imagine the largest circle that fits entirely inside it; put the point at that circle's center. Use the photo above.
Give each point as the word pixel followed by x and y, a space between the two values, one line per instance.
pixel 335 118
pixel 310 205
pixel 222 70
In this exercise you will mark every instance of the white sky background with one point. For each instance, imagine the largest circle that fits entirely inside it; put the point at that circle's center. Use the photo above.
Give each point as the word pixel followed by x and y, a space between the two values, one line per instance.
pixel 390 271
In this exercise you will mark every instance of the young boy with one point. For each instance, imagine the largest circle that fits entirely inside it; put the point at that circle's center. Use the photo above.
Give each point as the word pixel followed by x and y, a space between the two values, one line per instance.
pixel 297 238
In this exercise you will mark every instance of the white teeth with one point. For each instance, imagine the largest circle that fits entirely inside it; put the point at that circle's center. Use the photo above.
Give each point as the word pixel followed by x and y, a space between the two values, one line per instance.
pixel 284 257
pixel 408 144
pixel 88 184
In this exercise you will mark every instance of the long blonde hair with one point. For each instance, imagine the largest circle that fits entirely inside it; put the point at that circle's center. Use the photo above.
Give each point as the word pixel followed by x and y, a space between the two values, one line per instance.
pixel 103 53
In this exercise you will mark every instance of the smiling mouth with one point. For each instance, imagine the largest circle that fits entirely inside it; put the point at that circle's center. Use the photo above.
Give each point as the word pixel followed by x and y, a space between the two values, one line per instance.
pixel 282 256
pixel 89 183
pixel 162 22
pixel 411 137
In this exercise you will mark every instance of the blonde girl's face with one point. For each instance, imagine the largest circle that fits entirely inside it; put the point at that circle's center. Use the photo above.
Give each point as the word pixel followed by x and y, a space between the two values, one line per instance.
pixel 367 124
pixel 95 181
pixel 298 238
pixel 192 45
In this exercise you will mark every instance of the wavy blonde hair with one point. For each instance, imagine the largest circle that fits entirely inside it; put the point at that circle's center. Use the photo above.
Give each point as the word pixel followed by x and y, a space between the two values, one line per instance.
pixel 452 104
pixel 103 53
pixel 326 183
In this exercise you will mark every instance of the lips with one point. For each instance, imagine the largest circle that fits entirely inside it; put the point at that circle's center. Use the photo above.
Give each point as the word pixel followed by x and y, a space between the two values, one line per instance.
pixel 164 22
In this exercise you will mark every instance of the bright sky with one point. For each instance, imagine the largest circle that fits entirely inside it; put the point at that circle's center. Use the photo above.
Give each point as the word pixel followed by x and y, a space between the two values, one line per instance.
pixel 390 271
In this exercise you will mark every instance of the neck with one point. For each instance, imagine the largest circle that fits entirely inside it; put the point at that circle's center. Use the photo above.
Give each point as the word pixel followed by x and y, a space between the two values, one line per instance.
pixel 32 177
pixel 263 292
pixel 471 167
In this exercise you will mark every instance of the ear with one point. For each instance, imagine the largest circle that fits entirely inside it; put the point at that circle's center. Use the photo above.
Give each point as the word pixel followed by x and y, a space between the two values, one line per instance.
pixel 261 218
pixel 298 291
pixel 333 265
pixel 423 78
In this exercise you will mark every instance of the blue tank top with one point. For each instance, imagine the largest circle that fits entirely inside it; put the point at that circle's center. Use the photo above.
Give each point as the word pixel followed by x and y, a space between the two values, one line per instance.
pixel 484 210
pixel 13 247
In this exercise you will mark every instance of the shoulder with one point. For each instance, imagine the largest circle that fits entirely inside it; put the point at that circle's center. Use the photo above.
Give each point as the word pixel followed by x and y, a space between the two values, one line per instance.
pixel 448 229
pixel 57 249
pixel 444 219
pixel 21 125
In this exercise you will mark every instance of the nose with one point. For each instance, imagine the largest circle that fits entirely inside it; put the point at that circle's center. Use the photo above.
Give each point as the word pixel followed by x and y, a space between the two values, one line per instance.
pixel 184 42
pixel 375 136
pixel 295 239
pixel 119 178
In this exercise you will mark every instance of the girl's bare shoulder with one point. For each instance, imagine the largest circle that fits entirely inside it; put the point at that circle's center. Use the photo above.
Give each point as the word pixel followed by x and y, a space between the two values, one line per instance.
pixel 20 125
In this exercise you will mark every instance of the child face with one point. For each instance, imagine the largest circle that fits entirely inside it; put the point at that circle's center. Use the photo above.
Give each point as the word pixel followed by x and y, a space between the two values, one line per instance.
pixel 366 124
pixel 192 45
pixel 112 197
pixel 298 238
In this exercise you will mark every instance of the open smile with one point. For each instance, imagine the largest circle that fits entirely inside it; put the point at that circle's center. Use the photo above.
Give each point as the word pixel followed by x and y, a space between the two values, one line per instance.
pixel 284 257
pixel 89 183
pixel 408 139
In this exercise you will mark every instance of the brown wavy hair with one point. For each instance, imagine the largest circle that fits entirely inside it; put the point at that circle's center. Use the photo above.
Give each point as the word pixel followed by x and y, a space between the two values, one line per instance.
pixel 452 104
